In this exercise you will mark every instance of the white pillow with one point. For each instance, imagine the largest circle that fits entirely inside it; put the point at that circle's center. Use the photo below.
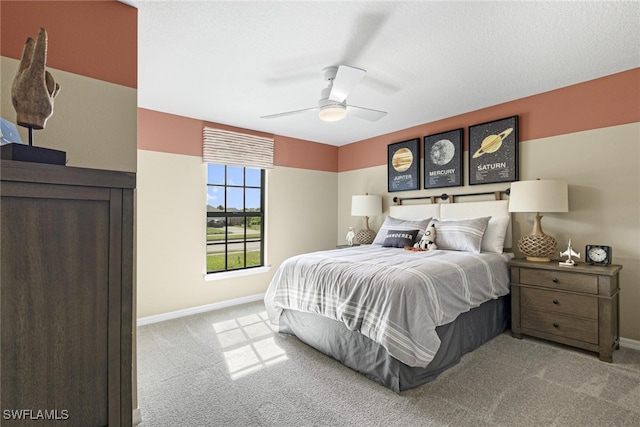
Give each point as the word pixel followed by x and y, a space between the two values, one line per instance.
pixel 391 223
pixel 460 235
pixel 493 238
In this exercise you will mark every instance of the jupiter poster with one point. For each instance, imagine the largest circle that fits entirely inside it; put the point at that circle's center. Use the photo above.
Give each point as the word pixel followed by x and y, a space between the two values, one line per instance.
pixel 443 159
pixel 403 171
pixel 493 151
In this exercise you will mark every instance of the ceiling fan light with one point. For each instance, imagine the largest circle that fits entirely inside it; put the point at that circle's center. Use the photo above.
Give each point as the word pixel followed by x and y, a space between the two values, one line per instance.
pixel 332 113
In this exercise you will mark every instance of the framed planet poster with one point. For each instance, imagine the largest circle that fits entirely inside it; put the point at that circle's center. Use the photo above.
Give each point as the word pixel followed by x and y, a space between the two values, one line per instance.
pixel 403 161
pixel 443 159
pixel 493 151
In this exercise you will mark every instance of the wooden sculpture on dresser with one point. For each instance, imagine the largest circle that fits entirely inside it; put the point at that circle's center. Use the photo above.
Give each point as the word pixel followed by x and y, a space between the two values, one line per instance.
pixel 32 95
pixel 34 88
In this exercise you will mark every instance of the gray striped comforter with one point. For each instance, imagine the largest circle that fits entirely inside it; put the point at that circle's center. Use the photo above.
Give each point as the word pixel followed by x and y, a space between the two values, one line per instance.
pixel 393 296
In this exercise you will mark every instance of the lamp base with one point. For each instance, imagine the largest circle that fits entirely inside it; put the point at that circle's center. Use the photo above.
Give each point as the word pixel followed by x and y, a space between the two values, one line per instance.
pixel 538 247
pixel 365 237
pixel 538 259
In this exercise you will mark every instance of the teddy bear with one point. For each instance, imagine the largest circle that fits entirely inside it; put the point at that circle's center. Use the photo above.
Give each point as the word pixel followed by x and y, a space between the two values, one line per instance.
pixel 428 239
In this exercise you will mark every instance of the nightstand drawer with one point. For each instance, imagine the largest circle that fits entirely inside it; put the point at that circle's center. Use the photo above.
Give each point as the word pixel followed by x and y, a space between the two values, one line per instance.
pixel 564 326
pixel 577 282
pixel 559 302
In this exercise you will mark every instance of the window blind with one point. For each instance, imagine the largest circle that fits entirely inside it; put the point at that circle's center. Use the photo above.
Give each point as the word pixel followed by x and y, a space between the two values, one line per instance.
pixel 224 147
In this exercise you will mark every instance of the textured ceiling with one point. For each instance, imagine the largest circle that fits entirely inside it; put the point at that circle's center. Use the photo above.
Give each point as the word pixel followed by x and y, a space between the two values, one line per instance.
pixel 231 62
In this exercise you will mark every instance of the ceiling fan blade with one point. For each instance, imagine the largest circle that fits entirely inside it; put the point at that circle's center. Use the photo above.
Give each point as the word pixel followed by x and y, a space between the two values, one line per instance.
pixel 368 27
pixel 365 113
pixel 290 79
pixel 346 79
pixel 288 113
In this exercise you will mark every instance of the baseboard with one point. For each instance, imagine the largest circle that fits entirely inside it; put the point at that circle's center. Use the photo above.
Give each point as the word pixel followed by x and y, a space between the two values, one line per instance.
pixel 200 309
pixel 629 343
pixel 136 417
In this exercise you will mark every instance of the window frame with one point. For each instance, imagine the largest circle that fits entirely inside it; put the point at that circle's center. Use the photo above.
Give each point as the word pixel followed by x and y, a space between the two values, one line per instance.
pixel 244 214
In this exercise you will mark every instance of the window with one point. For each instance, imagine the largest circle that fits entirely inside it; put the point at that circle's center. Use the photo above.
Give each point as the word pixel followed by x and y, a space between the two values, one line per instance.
pixel 235 218
pixel 236 164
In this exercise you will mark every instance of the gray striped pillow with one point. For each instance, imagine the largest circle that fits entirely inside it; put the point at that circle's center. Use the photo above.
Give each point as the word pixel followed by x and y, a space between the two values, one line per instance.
pixel 461 235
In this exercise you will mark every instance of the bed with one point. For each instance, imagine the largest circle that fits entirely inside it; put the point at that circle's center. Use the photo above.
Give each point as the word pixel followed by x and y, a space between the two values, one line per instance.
pixel 401 317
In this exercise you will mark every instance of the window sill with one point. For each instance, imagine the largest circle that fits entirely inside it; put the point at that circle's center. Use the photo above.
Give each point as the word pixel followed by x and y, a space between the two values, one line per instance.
pixel 210 277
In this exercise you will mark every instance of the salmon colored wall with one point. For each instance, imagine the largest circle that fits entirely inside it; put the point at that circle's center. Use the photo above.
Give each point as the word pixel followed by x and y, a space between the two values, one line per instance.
pixel 297 153
pixel 104 51
pixel 169 133
pixel 607 101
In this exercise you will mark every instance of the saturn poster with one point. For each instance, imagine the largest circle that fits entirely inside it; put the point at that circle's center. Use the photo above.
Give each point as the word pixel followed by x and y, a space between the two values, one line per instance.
pixel 493 151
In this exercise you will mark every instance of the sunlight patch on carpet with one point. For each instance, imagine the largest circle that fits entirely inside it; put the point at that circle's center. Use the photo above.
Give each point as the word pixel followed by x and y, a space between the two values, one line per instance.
pixel 248 344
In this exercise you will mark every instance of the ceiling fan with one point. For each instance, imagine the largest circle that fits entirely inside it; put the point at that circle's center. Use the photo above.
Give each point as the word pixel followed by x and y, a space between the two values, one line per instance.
pixel 332 105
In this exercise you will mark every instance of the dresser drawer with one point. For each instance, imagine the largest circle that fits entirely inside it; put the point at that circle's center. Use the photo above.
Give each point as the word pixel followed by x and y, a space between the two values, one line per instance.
pixel 560 325
pixel 569 281
pixel 559 302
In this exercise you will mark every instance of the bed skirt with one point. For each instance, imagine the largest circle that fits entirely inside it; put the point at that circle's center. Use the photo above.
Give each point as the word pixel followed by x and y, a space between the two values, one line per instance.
pixel 469 331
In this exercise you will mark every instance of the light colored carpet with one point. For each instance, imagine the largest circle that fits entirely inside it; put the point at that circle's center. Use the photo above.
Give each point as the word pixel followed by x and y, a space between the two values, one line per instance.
pixel 229 368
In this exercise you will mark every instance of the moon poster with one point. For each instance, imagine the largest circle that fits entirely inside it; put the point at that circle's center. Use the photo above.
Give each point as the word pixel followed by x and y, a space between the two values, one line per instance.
pixel 493 151
pixel 443 159
pixel 403 161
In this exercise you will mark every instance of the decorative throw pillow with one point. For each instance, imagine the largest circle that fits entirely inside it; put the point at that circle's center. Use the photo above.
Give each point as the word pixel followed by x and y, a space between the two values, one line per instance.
pixel 428 239
pixel 400 238
pixel 493 238
pixel 391 223
pixel 460 235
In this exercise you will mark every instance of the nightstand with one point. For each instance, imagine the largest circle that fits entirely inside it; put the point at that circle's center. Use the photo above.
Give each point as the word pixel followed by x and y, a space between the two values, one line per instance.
pixel 576 306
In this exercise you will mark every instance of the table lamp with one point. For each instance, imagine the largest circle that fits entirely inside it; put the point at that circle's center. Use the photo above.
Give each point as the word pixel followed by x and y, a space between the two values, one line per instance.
pixel 538 196
pixel 366 206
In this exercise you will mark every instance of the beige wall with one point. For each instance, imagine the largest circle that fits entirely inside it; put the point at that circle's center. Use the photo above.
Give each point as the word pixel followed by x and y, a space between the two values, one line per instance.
pixel 602 168
pixel 93 121
pixel 171 209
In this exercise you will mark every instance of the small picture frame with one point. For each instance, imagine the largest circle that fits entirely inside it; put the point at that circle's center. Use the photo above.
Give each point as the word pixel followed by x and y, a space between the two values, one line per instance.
pixel 443 159
pixel 403 165
pixel 493 151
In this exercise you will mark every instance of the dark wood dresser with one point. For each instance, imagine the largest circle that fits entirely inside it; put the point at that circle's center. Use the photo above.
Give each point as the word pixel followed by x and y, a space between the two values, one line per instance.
pixel 66 295
pixel 576 306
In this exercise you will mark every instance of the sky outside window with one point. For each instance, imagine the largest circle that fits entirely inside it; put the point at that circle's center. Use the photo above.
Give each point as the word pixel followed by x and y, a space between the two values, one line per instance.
pixel 235 176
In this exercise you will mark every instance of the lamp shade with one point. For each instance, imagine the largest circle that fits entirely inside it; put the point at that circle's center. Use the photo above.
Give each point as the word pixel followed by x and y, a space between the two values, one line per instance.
pixel 368 205
pixel 539 196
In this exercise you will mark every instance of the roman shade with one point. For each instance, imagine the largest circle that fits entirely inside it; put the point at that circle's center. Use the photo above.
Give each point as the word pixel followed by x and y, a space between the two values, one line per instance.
pixel 224 147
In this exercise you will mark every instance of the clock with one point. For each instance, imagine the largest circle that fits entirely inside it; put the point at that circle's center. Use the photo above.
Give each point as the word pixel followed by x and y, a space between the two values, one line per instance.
pixel 598 254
